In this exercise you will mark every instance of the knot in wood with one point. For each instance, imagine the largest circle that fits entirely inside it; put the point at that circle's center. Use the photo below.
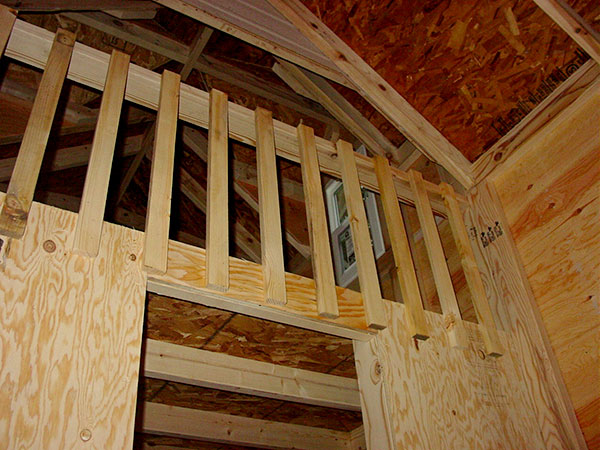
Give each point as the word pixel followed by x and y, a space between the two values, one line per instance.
pixel 376 370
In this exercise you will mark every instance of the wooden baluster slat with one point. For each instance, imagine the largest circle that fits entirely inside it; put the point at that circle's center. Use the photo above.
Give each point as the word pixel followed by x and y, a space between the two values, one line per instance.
pixel 7 20
pixel 95 190
pixel 271 241
pixel 437 259
pixel 361 237
pixel 158 217
pixel 217 215
pixel 472 275
pixel 318 232
pixel 13 218
pixel 405 269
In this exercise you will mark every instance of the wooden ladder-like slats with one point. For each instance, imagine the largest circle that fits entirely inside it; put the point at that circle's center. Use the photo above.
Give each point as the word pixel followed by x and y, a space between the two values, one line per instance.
pixel 95 190
pixel 361 237
pixel 271 241
pixel 161 178
pixel 405 268
pixel 467 257
pixel 316 217
pixel 13 218
pixel 217 208
pixel 441 274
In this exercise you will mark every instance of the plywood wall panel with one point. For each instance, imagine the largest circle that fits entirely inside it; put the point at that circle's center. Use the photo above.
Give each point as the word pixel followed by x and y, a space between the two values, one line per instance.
pixel 70 337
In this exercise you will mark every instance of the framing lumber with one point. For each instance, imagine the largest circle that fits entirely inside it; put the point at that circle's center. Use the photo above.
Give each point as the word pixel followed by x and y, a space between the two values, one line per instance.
pixel 269 32
pixel 214 370
pixel 161 178
pixel 404 270
pixel 74 5
pixel 437 259
pixel 271 242
pixel 190 423
pixel 217 202
pixel 471 271
pixel 316 218
pixel 574 25
pixel 7 20
pixel 378 92
pixel 30 44
pixel 361 237
pixel 13 217
pixel 95 190
pixel 499 156
pixel 344 112
pixel 195 51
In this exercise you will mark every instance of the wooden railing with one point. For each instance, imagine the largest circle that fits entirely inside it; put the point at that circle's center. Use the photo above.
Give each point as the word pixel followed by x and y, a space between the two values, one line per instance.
pixel 354 169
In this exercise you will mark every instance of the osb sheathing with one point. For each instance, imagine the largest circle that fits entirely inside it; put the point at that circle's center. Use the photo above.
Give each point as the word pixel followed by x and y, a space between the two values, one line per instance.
pixel 463 64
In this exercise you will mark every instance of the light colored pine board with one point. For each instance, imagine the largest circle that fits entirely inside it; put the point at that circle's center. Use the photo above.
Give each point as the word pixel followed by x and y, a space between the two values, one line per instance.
pixel 378 91
pixel 158 214
pixel 213 370
pixel 30 45
pixel 437 260
pixel 71 333
pixel 485 318
pixel 268 204
pixel 7 20
pixel 217 214
pixel 236 430
pixel 574 25
pixel 13 218
pixel 95 190
pixel 404 271
pixel 359 227
pixel 316 217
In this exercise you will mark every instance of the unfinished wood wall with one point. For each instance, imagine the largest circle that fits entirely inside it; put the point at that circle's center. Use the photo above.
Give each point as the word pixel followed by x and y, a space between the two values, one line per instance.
pixel 550 197
pixel 70 337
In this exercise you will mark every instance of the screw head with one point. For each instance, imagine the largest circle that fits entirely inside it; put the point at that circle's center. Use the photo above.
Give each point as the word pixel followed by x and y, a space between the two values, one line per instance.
pixel 85 435
pixel 132 257
pixel 49 246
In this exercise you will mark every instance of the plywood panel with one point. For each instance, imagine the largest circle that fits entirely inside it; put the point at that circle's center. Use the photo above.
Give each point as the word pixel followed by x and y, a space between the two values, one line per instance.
pixel 70 337
pixel 550 195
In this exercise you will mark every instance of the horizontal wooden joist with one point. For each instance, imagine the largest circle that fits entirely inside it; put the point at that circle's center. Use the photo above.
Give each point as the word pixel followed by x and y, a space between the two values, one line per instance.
pixel 75 5
pixel 188 423
pixel 30 44
pixel 213 370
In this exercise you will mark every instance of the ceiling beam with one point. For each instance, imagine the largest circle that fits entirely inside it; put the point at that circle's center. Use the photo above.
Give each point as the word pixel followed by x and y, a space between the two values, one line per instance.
pixel 213 370
pixel 209 426
pixel 77 5
pixel 196 50
pixel 378 92
pixel 574 25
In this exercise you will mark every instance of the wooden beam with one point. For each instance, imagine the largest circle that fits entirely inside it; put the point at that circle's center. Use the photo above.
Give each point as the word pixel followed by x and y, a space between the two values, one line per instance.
pixel 30 45
pixel 316 217
pixel 271 241
pixel 574 25
pixel 95 190
pixel 75 5
pixel 361 237
pixel 500 154
pixel 345 113
pixel 231 373
pixel 236 430
pixel 437 260
pixel 405 269
pixel 217 211
pixel 378 91
pixel 485 318
pixel 13 217
pixel 197 48
pixel 147 13
pixel 7 20
pixel 161 178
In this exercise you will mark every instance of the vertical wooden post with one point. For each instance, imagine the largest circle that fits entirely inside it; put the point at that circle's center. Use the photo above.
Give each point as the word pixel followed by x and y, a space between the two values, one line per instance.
pixel 13 218
pixel 93 199
pixel 361 237
pixel 271 242
pixel 441 274
pixel 316 217
pixel 405 269
pixel 161 179
pixel 467 259
pixel 217 214
pixel 7 20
